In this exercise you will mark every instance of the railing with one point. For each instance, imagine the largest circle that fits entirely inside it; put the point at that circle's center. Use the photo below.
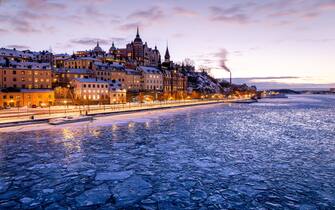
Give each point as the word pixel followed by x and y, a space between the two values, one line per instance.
pixel 25 114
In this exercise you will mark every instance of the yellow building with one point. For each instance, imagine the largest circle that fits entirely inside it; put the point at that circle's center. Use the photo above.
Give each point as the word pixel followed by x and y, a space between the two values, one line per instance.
pixel 152 78
pixel 80 63
pixel 133 80
pixel 117 95
pixel 63 77
pixel 26 75
pixel 27 97
pixel 111 72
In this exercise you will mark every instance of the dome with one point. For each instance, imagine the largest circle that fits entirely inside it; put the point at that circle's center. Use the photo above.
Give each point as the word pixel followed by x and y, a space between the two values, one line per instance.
pixel 97 48
pixel 113 48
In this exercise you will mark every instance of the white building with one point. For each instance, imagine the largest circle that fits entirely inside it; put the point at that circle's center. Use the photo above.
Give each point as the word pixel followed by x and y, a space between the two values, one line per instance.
pixel 90 89
pixel 152 78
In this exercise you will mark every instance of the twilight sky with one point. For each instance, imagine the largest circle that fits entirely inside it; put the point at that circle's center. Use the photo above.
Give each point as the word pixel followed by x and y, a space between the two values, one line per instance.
pixel 287 41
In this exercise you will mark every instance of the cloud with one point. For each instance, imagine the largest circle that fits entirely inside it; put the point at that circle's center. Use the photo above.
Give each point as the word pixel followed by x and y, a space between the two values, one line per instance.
pixel 276 13
pixel 229 15
pixel 184 12
pixel 40 5
pixel 21 25
pixel 153 13
pixel 92 41
pixel 3 31
pixel 20 47
pixel 130 26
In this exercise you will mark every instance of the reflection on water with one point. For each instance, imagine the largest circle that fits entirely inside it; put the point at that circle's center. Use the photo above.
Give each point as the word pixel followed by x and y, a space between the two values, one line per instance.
pixel 276 154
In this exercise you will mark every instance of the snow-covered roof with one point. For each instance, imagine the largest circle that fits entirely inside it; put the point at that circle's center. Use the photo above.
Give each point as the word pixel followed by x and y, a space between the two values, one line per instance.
pixel 28 65
pixel 73 71
pixel 15 53
pixel 21 54
pixel 90 80
pixel 133 72
pixel 150 70
pixel 115 85
pixel 84 58
pixel 108 66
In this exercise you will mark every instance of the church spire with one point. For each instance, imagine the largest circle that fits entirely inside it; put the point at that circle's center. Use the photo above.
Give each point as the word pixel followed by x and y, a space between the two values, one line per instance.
pixel 138 33
pixel 167 54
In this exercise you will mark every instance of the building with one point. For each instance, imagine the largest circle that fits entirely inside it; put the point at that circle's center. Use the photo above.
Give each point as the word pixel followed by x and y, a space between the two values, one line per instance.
pixel 117 94
pixel 332 90
pixel 152 78
pixel 26 75
pixel 26 55
pixel 133 80
pixel 111 72
pixel 87 91
pixel 97 52
pixel 63 77
pixel 80 63
pixel 136 52
pixel 27 97
pixel 175 82
pixel 59 59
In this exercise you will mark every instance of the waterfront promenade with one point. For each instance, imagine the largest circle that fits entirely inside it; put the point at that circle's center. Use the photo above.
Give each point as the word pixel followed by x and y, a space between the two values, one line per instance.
pixel 15 116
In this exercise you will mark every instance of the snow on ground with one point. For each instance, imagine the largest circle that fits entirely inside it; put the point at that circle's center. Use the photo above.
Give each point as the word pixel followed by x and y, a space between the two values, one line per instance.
pixel 117 119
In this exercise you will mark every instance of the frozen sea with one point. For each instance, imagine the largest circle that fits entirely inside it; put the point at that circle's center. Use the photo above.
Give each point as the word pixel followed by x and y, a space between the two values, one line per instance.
pixel 275 154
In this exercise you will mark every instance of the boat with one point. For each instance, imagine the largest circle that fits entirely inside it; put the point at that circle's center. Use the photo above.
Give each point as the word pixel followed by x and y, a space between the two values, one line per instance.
pixel 70 119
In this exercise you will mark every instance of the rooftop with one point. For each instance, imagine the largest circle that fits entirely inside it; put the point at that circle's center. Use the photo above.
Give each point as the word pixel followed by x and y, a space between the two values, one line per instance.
pixel 90 80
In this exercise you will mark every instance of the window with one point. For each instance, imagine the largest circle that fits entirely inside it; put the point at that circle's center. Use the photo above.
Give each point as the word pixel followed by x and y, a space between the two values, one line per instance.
pixel 89 85
pixel 14 79
pixel 84 85
pixel 14 72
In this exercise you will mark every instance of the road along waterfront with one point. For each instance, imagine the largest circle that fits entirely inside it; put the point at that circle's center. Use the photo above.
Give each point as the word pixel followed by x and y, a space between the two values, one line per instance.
pixel 275 154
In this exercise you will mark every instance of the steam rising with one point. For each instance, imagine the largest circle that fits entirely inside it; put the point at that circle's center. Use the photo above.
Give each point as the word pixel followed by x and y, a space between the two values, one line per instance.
pixel 223 59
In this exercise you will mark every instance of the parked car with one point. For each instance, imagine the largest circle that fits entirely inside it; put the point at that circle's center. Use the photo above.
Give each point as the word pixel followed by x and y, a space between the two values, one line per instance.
pixel 33 106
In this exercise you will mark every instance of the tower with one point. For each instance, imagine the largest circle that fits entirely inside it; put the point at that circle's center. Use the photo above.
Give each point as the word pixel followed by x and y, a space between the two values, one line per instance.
pixel 167 55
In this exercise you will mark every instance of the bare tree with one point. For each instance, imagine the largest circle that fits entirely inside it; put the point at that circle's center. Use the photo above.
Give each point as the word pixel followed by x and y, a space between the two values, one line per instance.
pixel 204 69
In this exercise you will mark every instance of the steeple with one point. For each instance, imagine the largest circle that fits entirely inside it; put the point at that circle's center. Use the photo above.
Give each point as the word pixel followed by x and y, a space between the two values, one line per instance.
pixel 167 54
pixel 138 38
pixel 138 33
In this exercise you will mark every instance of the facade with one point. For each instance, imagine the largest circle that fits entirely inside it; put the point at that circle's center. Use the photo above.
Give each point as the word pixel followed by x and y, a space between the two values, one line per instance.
pixel 133 80
pixel 80 63
pixel 152 78
pixel 59 59
pixel 175 82
pixel 26 55
pixel 27 97
pixel 136 52
pixel 97 52
pixel 90 90
pixel 117 94
pixel 110 72
pixel 63 77
pixel 26 75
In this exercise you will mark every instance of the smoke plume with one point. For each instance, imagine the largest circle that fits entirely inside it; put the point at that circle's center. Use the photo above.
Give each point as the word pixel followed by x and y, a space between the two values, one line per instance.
pixel 223 59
